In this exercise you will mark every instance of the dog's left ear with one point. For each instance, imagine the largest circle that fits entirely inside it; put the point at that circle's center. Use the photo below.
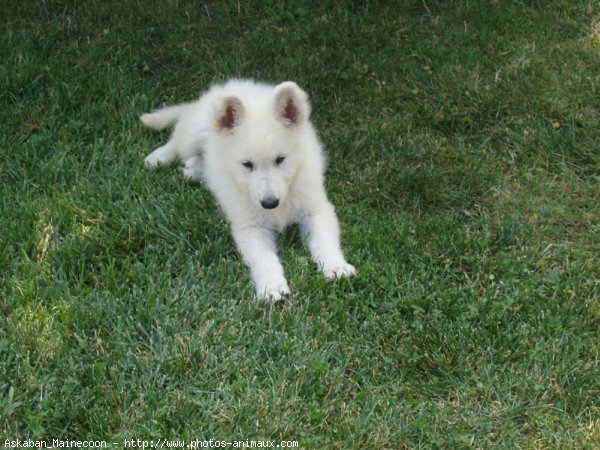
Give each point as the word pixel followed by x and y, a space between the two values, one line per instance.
pixel 291 104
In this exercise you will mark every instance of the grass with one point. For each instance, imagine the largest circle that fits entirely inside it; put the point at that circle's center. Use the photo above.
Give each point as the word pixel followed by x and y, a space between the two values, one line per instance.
pixel 462 139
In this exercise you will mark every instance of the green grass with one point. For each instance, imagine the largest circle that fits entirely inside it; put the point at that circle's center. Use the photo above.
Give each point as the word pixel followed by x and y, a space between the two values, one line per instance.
pixel 463 146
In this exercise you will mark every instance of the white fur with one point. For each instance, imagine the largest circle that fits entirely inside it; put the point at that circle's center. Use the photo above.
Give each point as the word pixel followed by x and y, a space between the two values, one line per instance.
pixel 243 123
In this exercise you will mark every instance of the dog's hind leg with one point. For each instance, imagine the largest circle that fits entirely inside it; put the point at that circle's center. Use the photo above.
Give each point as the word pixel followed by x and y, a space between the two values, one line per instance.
pixel 162 155
pixel 193 168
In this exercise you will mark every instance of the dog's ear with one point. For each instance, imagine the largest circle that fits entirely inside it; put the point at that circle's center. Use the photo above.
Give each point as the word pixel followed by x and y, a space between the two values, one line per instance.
pixel 229 112
pixel 291 104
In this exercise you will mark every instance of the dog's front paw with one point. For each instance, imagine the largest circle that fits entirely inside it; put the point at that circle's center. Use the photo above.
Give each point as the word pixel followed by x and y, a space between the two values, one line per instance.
pixel 344 270
pixel 273 291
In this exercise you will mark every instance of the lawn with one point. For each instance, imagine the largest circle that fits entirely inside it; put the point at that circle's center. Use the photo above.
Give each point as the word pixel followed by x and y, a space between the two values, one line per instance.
pixel 463 146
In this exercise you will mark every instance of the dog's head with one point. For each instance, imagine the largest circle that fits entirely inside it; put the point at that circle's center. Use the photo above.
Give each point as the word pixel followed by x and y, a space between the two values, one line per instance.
pixel 265 140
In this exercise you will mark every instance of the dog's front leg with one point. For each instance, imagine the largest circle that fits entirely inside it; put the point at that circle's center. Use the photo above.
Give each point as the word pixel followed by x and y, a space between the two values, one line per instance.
pixel 258 248
pixel 321 232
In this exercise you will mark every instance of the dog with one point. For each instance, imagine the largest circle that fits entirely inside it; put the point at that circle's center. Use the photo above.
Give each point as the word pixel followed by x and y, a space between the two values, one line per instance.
pixel 253 145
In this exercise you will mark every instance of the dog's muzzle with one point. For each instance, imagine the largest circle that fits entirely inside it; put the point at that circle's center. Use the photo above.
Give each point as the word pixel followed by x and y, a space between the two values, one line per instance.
pixel 270 203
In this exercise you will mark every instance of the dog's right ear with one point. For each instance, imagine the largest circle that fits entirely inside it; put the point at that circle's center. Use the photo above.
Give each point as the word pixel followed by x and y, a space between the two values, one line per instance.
pixel 229 112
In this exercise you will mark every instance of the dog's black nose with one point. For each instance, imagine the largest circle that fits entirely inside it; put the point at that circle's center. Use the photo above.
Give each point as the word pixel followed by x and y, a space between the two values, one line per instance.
pixel 270 203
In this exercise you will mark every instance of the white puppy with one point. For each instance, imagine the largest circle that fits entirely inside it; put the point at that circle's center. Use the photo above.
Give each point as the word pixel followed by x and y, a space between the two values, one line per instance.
pixel 255 148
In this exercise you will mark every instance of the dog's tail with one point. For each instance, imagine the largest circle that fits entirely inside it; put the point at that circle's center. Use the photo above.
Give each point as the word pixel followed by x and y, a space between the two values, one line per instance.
pixel 163 118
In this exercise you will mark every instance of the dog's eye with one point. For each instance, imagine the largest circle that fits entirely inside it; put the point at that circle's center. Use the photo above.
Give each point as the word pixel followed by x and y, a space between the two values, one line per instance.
pixel 248 165
pixel 279 160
